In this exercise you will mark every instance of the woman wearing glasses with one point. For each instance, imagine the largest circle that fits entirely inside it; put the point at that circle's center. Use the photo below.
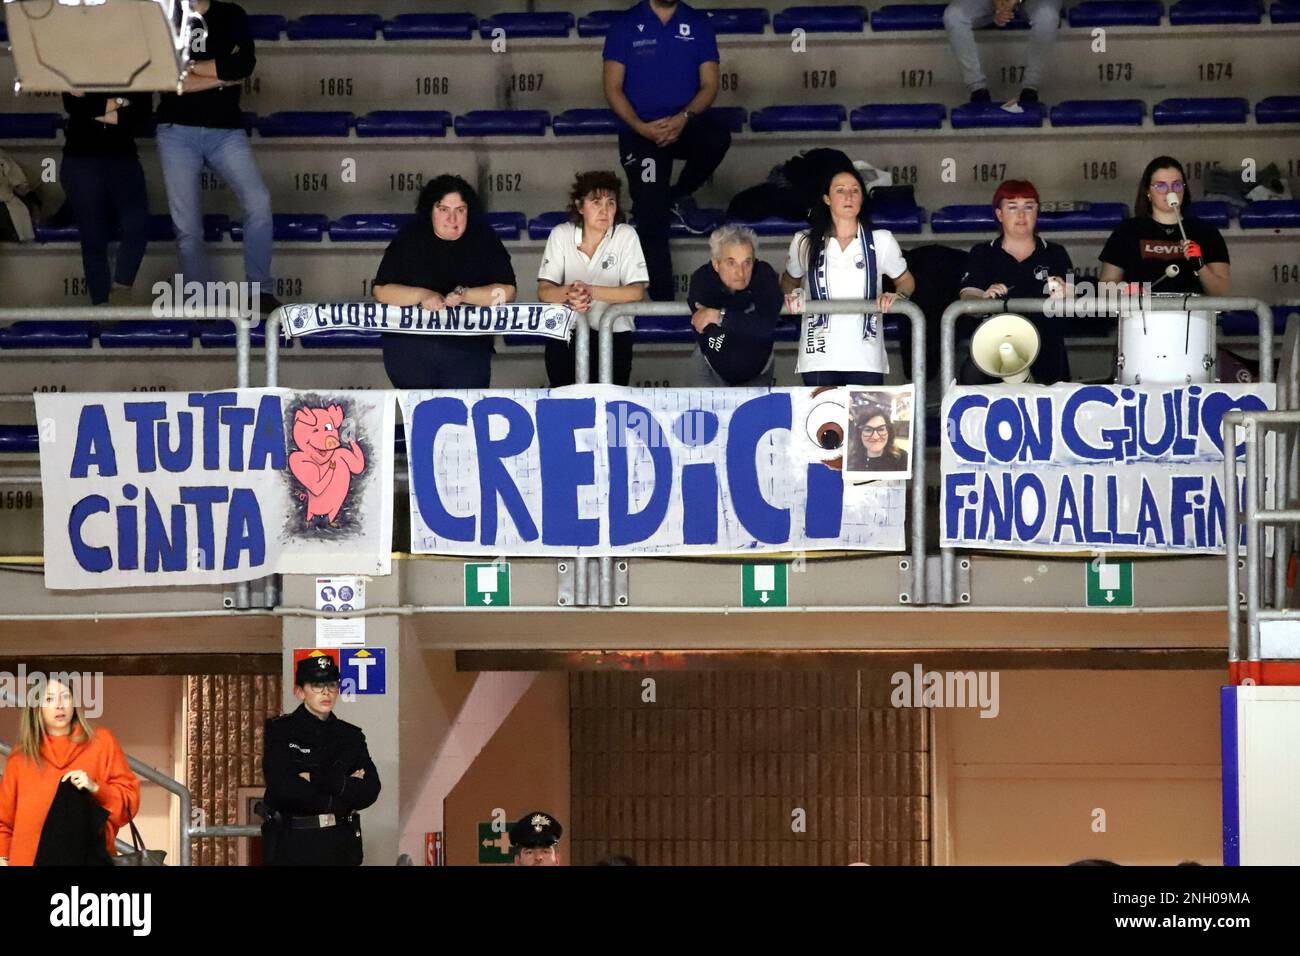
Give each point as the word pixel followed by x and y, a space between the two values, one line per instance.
pixel 1141 249
pixel 875 449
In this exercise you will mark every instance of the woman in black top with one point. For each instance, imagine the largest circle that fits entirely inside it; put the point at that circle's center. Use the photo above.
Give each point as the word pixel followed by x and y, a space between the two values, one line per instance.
pixel 875 450
pixel 1141 249
pixel 448 256
pixel 104 183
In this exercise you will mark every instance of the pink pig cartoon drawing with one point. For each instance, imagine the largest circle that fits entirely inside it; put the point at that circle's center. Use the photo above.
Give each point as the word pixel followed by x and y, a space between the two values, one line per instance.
pixel 322 464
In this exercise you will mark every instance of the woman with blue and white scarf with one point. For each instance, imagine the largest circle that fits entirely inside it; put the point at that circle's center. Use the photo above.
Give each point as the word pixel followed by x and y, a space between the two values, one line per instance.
pixel 840 256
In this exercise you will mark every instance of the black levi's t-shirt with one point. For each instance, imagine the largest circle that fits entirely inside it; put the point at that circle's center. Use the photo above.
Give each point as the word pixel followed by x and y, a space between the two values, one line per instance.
pixel 740 347
pixel 1143 248
pixel 228 40
pixel 988 263
pixel 417 257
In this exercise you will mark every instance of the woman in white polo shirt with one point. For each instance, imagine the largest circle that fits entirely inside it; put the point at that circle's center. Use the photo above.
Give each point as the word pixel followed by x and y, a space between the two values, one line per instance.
pixel 840 256
pixel 591 262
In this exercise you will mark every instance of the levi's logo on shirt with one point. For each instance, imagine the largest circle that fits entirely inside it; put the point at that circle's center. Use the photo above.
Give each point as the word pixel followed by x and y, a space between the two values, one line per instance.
pixel 1160 249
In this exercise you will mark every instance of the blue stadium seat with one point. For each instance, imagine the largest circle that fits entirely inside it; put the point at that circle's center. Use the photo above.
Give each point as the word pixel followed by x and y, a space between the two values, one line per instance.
pixel 805 118
pixel 19 440
pixel 30 125
pixel 290 227
pixel 598 22
pixel 368 227
pixel 431 26
pixel 266 26
pixel 539 227
pixel 1217 214
pixel 964 218
pixel 343 339
pixel 527 25
pixel 1286 11
pixel 503 123
pixel 678 230
pixel 167 334
pixel 851 19
pixel 1271 214
pixel 898 116
pixel 775 226
pixel 1098 113
pixel 738 20
pixel 1185 111
pixel 334 26
pixel 1278 109
pixel 306 123
pixel 908 16
pixel 1116 13
pixel 585 122
pixel 664 329
pixel 220 334
pixel 991 115
pixel 507 225
pixel 47 335
pixel 902 219
pixel 64 233
pixel 404 123
pixel 1097 216
pixel 1195 12
pixel 1247 323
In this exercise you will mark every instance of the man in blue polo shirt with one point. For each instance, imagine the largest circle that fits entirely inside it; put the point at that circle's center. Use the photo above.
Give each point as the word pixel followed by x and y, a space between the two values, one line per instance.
pixel 661 74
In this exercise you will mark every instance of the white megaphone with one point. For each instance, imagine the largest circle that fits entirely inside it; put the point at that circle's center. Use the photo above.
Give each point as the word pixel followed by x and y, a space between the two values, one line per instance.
pixel 1005 346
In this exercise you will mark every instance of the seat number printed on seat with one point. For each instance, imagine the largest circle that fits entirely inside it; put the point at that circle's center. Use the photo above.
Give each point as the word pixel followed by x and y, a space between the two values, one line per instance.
pixel 17 501
pixel 1100 169
pixel 526 82
pixel 406 182
pixel 432 85
pixel 988 172
pixel 1214 72
pixel 1115 72
pixel 819 79
pixel 311 182
pixel 915 79
pixel 336 86
pixel 505 182
pixel 1286 272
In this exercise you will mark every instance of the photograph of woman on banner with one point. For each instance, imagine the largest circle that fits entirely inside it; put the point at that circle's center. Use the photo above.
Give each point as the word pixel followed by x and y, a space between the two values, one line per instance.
pixel 67 787
pixel 840 256
pixel 591 262
pixel 879 433
pixel 447 256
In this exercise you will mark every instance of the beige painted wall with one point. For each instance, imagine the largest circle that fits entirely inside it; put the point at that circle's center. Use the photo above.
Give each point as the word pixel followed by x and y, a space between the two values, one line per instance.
pixel 524 767
pixel 1142 746
pixel 145 715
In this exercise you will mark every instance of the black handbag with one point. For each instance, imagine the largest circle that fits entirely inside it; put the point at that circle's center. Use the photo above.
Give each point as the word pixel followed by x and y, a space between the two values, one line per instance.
pixel 138 855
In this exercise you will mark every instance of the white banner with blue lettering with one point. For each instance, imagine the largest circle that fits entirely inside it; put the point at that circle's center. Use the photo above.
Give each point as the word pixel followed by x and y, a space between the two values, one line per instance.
pixel 1089 467
pixel 215 487
pixel 600 470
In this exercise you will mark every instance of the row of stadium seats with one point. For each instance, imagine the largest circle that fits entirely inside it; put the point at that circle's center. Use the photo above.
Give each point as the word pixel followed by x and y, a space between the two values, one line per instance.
pixel 894 17
pixel 804 118
pixel 908 220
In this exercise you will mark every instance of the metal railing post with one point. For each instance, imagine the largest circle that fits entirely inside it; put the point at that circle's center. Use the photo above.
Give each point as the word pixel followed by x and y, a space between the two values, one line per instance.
pixel 1232 533
pixel 1253 548
pixel 581 376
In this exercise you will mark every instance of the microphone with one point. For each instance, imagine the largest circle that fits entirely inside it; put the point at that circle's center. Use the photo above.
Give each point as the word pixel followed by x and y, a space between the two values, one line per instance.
pixel 1174 204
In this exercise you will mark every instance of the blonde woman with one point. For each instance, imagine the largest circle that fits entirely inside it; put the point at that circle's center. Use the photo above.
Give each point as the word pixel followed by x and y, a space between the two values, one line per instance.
pixel 56 743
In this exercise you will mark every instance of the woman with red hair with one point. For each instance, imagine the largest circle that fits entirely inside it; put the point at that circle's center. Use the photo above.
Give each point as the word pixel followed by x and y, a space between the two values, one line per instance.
pixel 1018 263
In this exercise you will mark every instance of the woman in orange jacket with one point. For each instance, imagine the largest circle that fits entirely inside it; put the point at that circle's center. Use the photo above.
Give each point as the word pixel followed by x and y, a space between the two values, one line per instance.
pixel 57 743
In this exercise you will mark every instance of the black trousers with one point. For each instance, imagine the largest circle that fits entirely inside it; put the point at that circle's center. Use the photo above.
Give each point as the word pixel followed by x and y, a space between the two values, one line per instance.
pixel 103 191
pixel 339 845
pixel 414 361
pixel 703 144
pixel 560 362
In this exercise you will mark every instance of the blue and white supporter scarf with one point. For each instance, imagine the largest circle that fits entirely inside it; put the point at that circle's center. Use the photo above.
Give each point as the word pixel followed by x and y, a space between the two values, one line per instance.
pixel 818 286
pixel 543 320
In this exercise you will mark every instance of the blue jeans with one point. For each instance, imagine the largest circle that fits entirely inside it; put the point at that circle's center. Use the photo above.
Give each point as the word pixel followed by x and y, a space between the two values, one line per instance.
pixel 184 151
pixel 102 189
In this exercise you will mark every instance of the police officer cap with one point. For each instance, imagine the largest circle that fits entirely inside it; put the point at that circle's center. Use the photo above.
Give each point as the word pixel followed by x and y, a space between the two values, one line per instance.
pixel 536 830
pixel 319 669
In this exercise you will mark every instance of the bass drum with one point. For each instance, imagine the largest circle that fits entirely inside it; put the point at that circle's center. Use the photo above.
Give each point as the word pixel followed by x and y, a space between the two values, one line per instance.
pixel 1163 345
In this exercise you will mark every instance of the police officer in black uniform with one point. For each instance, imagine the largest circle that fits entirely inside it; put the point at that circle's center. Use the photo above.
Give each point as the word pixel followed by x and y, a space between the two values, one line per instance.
pixel 319 775
pixel 533 838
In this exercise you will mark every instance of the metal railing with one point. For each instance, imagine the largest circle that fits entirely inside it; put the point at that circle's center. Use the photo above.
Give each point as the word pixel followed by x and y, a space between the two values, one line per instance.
pixel 947 364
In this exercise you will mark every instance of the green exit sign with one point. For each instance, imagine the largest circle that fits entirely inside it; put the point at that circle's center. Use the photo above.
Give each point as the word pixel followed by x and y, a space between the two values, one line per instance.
pixel 1109 583
pixel 763 585
pixel 487 585
pixel 493 847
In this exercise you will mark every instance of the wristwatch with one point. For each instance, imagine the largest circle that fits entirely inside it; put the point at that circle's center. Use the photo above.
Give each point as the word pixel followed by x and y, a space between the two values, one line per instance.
pixel 687 114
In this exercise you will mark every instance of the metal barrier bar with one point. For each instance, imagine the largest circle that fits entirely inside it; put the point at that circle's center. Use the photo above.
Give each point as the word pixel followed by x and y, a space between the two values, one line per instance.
pixel 1232 534
pixel 1253 547
pixel 948 365
pixel 822 307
